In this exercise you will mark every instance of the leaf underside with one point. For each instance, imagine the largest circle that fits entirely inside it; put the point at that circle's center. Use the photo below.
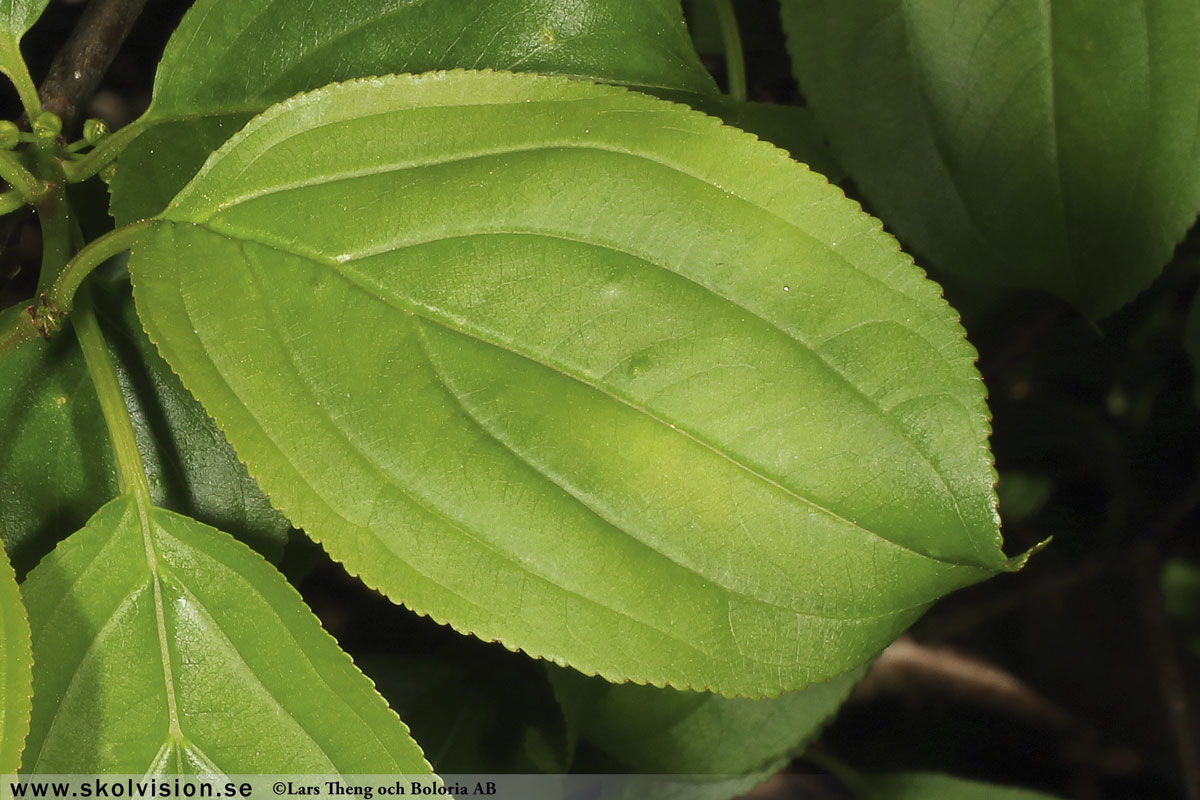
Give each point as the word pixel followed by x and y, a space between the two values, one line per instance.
pixel 564 365
pixel 146 623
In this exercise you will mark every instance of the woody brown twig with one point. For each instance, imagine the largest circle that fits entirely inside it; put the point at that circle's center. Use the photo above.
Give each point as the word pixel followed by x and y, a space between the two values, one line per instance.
pixel 83 60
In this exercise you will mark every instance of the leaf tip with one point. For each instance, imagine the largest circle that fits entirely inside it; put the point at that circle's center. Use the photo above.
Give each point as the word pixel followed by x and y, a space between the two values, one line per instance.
pixel 1017 562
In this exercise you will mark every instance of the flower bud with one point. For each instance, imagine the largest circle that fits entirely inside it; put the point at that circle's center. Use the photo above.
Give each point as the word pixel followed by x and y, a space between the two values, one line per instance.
pixel 10 134
pixel 47 125
pixel 94 130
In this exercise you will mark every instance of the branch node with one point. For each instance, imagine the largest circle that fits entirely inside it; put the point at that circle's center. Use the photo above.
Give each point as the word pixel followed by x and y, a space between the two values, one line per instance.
pixel 47 319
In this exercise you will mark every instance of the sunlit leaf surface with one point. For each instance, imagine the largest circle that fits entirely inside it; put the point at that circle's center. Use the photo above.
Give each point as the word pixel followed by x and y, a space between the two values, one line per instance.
pixel 567 366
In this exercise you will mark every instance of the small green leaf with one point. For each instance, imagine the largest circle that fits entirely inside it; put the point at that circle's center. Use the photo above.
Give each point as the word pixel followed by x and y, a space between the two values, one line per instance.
pixel 932 786
pixel 1050 145
pixel 46 125
pixel 18 16
pixel 16 670
pixel 57 466
pixel 670 732
pixel 179 643
pixel 561 364
pixel 230 59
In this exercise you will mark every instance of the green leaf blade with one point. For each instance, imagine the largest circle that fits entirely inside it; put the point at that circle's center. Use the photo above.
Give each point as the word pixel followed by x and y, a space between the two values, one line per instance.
pixel 165 646
pixel 580 359
pixel 16 670
pixel 18 16
pixel 667 732
pixel 717 747
pixel 230 59
pixel 218 59
pixel 1037 145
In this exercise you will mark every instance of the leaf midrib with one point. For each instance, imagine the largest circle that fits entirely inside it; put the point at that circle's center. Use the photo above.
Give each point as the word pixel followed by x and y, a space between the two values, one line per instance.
pixel 420 502
pixel 208 221
pixel 438 514
pixel 174 729
pixel 457 399
pixel 247 670
pixel 567 145
pixel 372 291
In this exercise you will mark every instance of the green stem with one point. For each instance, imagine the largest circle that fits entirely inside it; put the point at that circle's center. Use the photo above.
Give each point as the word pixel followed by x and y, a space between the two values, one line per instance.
pixel 19 178
pixel 131 472
pixel 91 256
pixel 11 201
pixel 54 216
pixel 735 63
pixel 47 310
pixel 12 64
pixel 104 153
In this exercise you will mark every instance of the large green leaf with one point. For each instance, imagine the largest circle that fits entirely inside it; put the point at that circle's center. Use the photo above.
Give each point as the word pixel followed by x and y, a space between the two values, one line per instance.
pixel 16 670
pixel 233 58
pixel 166 646
pixel 1053 145
pixel 56 464
pixel 567 366
pixel 720 747
pixel 668 732
pixel 219 55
